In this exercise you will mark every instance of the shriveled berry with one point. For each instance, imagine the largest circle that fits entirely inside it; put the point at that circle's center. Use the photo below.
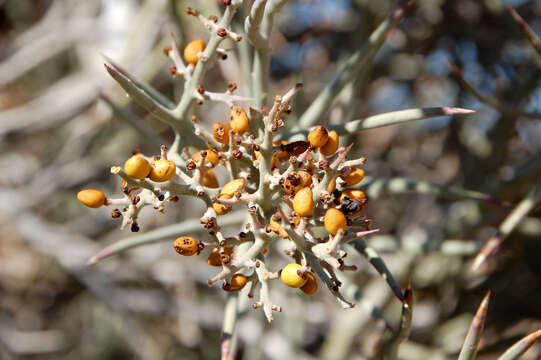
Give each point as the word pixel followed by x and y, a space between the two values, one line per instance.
pixel 186 245
pixel 210 180
pixel 310 288
pixel 212 159
pixel 296 181
pixel 137 167
pixel 238 120
pixel 318 137
pixel 334 221
pixel 214 258
pixel 91 197
pixel 290 276
pixel 331 145
pixel 191 50
pixel 238 281
pixel 303 202
pixel 220 132
pixel 162 170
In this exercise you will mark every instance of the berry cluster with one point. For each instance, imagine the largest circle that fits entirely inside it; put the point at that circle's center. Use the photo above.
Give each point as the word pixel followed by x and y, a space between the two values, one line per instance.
pixel 301 192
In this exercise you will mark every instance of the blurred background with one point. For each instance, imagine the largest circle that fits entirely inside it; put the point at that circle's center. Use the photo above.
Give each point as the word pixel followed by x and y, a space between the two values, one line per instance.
pixel 64 123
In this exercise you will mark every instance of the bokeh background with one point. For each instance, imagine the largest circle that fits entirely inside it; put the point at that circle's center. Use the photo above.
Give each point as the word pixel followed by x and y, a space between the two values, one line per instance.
pixel 64 123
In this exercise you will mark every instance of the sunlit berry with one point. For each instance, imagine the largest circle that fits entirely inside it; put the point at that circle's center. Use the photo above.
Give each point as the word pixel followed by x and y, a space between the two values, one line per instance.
pixel 238 120
pixel 215 259
pixel 162 170
pixel 353 194
pixel 232 187
pixel 303 202
pixel 334 221
pixel 186 245
pixel 238 281
pixel 91 197
pixel 318 137
pixel 137 167
pixel 191 50
pixel 290 276
pixel 331 145
pixel 220 132
pixel 210 180
pixel 212 159
pixel 310 288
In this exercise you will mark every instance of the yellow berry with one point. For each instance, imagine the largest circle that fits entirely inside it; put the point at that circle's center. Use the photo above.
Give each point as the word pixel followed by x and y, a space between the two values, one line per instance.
pixel 334 220
pixel 291 277
pixel 318 137
pixel 232 187
pixel 186 245
pixel 210 180
pixel 91 197
pixel 238 281
pixel 221 209
pixel 276 228
pixel 310 288
pixel 353 194
pixel 238 120
pixel 332 144
pixel 303 202
pixel 215 258
pixel 220 132
pixel 136 167
pixel 212 158
pixel 191 50
pixel 162 170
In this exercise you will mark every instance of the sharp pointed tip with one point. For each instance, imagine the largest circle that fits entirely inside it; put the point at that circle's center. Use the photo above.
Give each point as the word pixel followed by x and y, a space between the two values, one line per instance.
pixel 92 261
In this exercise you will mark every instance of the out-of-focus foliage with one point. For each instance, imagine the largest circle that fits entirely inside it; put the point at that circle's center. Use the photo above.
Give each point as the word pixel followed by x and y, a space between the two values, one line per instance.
pixel 57 136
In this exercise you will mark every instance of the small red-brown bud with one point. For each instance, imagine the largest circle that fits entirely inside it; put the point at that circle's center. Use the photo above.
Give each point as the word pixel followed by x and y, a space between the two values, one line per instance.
pixel 222 32
pixel 213 18
pixel 191 11
pixel 173 70
pixel 115 214
pixel 167 50
pixel 200 89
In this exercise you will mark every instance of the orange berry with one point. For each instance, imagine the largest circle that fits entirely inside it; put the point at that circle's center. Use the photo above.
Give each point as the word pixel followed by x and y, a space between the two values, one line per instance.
pixel 221 209
pixel 238 120
pixel 212 159
pixel 310 288
pixel 334 221
pixel 220 132
pixel 232 187
pixel 353 194
pixel 354 177
pixel 318 137
pixel 191 50
pixel 276 228
pixel 210 180
pixel 215 258
pixel 186 245
pixel 238 281
pixel 332 144
pixel 91 197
